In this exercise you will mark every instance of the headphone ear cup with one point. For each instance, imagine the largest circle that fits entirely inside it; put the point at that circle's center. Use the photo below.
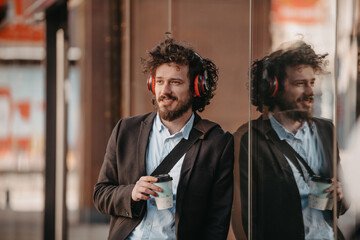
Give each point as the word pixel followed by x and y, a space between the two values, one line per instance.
pixel 273 86
pixel 276 86
pixel 197 85
pixel 151 83
pixel 201 85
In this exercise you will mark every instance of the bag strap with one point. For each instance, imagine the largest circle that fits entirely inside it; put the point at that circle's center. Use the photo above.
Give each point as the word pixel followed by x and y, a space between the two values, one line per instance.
pixel 289 152
pixel 174 156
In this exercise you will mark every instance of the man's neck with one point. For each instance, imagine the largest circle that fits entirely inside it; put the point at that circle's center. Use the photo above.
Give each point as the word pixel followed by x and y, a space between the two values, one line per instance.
pixel 177 124
pixel 289 124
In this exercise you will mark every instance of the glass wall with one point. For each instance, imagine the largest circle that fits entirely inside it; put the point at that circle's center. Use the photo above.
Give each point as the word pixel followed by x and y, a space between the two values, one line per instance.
pixel 104 44
pixel 304 87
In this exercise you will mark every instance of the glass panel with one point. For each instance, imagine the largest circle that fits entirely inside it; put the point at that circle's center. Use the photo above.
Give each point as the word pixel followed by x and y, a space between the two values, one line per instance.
pixel 347 111
pixel 309 68
pixel 224 38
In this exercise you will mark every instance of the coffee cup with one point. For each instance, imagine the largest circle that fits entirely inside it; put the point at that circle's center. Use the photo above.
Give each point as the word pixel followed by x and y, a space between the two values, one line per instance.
pixel 164 199
pixel 318 198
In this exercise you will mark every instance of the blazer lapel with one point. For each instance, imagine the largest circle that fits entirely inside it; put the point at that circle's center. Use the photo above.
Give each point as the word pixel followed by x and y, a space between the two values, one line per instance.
pixel 186 170
pixel 264 126
pixel 142 142
pixel 185 174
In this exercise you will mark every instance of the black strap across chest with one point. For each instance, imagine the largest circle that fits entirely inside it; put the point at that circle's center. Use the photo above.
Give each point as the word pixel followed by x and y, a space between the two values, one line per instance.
pixel 174 156
pixel 290 153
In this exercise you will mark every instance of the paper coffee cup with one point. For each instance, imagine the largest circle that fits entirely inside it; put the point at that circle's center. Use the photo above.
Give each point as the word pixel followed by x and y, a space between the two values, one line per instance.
pixel 318 198
pixel 164 199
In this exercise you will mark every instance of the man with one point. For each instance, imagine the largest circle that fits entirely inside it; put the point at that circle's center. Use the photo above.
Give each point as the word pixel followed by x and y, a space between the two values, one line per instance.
pixel 282 88
pixel 183 83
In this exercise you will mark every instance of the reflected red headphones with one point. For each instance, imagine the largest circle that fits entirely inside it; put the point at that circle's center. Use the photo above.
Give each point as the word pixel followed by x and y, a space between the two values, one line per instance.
pixel 271 83
pixel 201 82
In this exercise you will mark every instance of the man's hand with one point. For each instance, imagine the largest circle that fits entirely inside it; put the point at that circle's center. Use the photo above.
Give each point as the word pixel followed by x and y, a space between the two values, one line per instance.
pixel 336 186
pixel 143 188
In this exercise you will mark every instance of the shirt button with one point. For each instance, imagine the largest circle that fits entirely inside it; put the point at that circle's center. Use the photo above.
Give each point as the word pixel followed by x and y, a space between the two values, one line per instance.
pixel 127 213
pixel 148 223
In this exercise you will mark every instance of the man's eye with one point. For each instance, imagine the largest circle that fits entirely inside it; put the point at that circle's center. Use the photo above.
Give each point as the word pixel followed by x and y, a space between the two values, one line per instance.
pixel 159 81
pixel 175 82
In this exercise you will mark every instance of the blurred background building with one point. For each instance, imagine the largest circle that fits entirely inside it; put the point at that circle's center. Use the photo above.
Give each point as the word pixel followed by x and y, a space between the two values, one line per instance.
pixel 70 69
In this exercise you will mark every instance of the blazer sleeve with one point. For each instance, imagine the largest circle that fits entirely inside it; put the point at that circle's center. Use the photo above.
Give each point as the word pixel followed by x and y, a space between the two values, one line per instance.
pixel 222 193
pixel 110 197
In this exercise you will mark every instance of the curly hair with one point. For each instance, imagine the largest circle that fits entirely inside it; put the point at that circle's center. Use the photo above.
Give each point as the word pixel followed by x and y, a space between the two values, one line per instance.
pixel 274 65
pixel 169 51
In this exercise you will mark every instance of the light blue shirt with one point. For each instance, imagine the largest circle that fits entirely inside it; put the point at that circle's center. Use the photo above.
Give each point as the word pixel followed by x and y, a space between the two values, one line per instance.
pixel 160 224
pixel 307 144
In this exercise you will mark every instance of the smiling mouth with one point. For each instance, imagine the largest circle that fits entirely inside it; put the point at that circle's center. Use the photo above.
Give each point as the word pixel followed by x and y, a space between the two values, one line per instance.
pixel 167 98
pixel 306 99
pixel 307 104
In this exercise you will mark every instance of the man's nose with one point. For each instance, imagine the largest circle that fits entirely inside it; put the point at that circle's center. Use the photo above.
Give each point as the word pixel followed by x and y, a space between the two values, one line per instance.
pixel 309 89
pixel 166 88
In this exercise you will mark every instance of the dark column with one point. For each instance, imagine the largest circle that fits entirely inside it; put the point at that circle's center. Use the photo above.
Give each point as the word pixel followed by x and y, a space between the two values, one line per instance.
pixel 56 18
pixel 358 77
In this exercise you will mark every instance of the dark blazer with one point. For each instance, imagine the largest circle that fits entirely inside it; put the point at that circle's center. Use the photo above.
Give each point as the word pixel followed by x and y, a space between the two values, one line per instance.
pixel 205 190
pixel 276 204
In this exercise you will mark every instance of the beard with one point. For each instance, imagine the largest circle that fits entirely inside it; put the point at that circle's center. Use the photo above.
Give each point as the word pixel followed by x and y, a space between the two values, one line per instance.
pixel 293 111
pixel 182 108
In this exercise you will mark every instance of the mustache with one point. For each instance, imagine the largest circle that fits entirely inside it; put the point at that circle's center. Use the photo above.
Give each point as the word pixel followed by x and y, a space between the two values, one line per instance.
pixel 167 96
pixel 306 98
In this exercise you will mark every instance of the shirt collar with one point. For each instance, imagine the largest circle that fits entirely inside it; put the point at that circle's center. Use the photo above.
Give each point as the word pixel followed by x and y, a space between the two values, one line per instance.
pixel 283 133
pixel 185 131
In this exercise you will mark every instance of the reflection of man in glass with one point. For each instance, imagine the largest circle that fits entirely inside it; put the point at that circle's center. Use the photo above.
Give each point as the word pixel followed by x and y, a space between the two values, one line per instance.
pixel 289 147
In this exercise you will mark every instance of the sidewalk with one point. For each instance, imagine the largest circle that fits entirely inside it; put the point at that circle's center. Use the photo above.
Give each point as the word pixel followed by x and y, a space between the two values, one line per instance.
pixel 29 226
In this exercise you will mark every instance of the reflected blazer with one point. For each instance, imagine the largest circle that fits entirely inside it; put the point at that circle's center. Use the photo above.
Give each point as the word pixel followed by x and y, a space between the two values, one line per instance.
pixel 205 190
pixel 276 204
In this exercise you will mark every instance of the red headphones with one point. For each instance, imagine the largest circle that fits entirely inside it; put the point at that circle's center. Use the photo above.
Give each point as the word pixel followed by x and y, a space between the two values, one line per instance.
pixel 151 83
pixel 273 86
pixel 201 82
pixel 271 83
pixel 201 85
